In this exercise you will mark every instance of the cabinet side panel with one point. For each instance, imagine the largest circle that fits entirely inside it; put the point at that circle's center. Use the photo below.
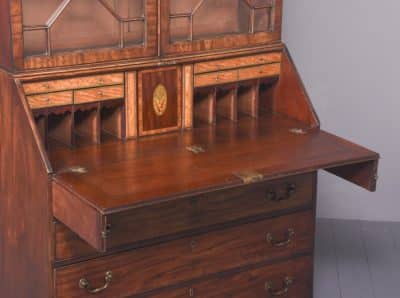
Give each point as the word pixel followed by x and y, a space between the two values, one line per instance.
pixel 291 98
pixel 5 35
pixel 25 214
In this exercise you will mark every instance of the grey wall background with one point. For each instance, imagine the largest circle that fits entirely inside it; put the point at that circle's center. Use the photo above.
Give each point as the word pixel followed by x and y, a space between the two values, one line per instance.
pixel 348 53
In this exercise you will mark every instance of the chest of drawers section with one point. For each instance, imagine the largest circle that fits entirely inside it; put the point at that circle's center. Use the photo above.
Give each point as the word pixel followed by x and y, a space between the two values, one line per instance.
pixel 227 235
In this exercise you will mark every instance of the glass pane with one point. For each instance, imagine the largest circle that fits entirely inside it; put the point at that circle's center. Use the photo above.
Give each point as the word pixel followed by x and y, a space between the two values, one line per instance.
pixel 182 6
pixel 261 20
pixel 77 24
pixel 211 18
pixel 38 14
pixel 180 28
pixel 134 33
pixel 35 42
pixel 84 25
pixel 217 18
pixel 214 18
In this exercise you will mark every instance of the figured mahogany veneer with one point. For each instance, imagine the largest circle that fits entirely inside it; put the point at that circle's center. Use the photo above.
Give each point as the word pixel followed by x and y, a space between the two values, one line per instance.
pixel 50 100
pixel 170 263
pixel 258 282
pixel 158 149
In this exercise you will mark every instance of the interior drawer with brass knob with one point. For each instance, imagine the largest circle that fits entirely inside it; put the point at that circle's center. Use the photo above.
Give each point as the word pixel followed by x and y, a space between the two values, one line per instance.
pixel 111 226
pixel 216 78
pixel 50 99
pixel 99 94
pixel 74 83
pixel 188 258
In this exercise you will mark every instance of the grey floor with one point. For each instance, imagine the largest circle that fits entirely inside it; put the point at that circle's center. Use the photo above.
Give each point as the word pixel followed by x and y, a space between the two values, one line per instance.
pixel 357 259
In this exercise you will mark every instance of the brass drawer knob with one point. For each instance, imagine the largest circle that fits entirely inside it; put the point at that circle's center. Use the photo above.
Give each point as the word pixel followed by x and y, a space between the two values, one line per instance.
pixel 84 284
pixel 288 193
pixel 274 243
pixel 287 283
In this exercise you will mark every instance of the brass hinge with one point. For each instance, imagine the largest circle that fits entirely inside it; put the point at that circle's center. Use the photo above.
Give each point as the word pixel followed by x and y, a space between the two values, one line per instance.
pixel 195 149
pixel 75 170
pixel 298 131
pixel 249 177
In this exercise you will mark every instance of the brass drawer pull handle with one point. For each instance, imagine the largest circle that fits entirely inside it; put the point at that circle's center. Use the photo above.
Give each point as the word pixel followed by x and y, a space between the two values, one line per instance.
pixel 287 283
pixel 289 192
pixel 84 284
pixel 290 236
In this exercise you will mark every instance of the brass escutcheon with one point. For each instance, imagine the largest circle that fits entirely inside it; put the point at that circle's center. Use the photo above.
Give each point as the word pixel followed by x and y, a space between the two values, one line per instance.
pixel 249 177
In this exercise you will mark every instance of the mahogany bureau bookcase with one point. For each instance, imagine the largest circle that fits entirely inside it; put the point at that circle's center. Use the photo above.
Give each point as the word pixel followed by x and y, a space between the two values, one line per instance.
pixel 158 149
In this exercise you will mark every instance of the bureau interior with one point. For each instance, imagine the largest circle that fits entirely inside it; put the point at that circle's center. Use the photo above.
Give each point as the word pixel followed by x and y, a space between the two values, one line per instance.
pixel 232 102
pixel 98 108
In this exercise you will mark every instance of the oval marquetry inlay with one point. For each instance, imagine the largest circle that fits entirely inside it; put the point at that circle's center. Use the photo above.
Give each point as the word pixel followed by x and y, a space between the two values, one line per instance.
pixel 160 100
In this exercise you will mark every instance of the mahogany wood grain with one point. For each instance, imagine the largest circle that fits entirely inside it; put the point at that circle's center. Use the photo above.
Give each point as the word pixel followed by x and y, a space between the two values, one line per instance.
pixel 115 171
pixel 16 32
pixel 131 102
pixel 50 100
pixel 267 70
pixel 290 96
pixel 171 79
pixel 188 96
pixel 251 283
pixel 6 51
pixel 364 174
pixel 74 83
pixel 232 63
pixel 208 209
pixel 173 262
pixel 60 125
pixel 248 99
pixel 25 209
pixel 138 64
pixel 182 215
pixel 70 248
pixel 112 118
pixel 227 103
pixel 99 94
pixel 205 106
pixel 216 78
pixel 148 49
pixel 86 123
pixel 79 216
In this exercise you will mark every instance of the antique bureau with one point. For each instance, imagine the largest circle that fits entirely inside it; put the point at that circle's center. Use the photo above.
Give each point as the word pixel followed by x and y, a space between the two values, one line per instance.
pixel 158 148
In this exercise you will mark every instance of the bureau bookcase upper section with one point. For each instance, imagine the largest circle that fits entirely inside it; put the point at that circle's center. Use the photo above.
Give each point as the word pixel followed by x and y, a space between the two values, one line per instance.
pixel 57 33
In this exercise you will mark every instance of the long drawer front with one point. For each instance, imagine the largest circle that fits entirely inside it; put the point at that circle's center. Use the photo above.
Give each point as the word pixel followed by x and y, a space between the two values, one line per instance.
pixel 183 215
pixel 146 269
pixel 292 279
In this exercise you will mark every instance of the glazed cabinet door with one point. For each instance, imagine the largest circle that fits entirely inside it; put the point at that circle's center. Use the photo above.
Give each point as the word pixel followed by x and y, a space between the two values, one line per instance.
pixel 71 32
pixel 204 25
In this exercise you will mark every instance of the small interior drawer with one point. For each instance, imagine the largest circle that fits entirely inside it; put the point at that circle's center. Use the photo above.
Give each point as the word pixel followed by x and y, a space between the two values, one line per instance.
pixel 99 94
pixel 108 230
pixel 166 264
pixel 268 70
pixel 216 78
pixel 75 83
pixel 225 64
pixel 50 99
